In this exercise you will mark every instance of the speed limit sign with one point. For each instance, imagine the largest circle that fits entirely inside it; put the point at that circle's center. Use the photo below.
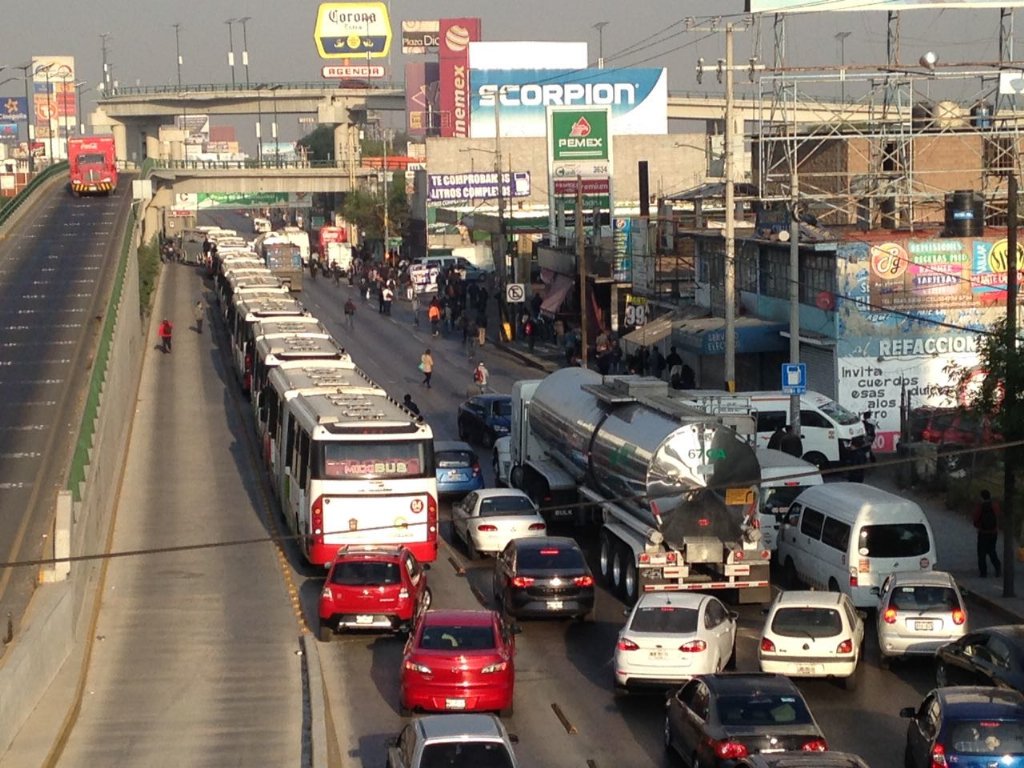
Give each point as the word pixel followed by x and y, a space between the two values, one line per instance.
pixel 515 293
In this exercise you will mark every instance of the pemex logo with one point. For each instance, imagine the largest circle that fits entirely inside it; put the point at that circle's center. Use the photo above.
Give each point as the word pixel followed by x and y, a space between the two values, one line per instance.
pixel 581 128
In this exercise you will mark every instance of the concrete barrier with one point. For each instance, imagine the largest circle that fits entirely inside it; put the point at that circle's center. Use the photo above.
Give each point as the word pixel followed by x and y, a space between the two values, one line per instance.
pixel 314 687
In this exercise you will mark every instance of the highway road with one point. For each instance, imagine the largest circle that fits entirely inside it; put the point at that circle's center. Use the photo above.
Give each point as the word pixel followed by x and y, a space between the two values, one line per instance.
pixel 56 268
pixel 195 655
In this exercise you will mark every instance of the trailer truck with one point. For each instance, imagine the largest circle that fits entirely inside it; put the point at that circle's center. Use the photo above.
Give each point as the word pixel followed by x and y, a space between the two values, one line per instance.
pixel 672 489
pixel 92 165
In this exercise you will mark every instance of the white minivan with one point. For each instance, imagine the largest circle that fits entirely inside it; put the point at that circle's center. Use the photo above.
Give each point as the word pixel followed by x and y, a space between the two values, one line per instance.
pixel 830 434
pixel 783 478
pixel 848 537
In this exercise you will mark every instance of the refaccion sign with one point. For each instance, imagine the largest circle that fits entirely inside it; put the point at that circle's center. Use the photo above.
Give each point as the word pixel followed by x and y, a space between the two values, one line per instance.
pixel 353 31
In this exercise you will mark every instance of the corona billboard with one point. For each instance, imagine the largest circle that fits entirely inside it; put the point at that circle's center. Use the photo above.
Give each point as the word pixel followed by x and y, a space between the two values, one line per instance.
pixel 353 31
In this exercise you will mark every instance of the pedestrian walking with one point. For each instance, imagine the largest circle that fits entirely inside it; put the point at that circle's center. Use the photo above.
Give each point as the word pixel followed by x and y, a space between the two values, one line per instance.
pixel 387 296
pixel 434 316
pixel 380 297
pixel 481 377
pixel 791 443
pixel 350 314
pixel 775 441
pixel 986 521
pixel 427 367
pixel 166 331
pixel 410 405
pixel 199 312
pixel 481 330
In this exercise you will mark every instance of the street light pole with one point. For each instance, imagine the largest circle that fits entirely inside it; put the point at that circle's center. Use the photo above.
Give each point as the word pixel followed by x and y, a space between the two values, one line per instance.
pixel 245 48
pixel 106 68
pixel 387 226
pixel 273 129
pixel 259 124
pixel 177 49
pixel 231 48
pixel 600 43
pixel 730 223
pixel 29 111
pixel 841 37
pixel 78 105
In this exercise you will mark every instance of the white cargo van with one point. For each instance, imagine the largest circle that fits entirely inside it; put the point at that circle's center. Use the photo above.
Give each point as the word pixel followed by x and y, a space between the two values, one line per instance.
pixel 830 433
pixel 783 478
pixel 848 537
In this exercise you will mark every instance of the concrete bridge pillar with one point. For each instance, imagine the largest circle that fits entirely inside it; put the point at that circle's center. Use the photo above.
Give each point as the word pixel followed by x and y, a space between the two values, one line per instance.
pixel 120 132
pixel 346 145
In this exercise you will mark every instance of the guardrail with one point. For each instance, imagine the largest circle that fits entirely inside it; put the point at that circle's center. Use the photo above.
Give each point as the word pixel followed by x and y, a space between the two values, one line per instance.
pixel 251 164
pixel 11 205
pixel 242 89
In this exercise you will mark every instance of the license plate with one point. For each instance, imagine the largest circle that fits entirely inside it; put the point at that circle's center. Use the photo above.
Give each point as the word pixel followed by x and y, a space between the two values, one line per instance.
pixel 656 654
pixel 364 619
pixel 772 749
pixel 454 703
pixel 924 626
pixel 554 605
pixel 563 513
pixel 455 475
pixel 807 670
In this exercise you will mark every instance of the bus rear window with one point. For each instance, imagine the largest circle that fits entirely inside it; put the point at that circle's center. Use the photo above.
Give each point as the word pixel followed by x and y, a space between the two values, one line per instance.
pixel 356 460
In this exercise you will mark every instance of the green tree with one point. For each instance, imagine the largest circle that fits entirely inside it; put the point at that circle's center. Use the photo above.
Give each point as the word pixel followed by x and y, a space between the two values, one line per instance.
pixel 319 144
pixel 365 208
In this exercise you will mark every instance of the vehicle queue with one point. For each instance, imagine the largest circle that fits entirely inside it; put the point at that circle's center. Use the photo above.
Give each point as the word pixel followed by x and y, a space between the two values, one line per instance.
pixel 330 435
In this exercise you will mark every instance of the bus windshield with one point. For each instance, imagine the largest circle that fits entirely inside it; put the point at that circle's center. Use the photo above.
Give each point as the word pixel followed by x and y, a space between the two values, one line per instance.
pixel 835 411
pixel 371 460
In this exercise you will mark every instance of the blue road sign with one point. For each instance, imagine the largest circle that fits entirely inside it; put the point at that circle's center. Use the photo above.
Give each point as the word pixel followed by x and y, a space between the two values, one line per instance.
pixel 794 378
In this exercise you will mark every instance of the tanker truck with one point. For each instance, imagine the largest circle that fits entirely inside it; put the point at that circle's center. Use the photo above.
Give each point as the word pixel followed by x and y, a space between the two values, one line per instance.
pixel 672 489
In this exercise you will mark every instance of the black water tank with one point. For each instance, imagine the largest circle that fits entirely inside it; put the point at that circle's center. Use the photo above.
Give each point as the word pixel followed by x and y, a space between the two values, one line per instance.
pixel 981 115
pixel 922 115
pixel 965 214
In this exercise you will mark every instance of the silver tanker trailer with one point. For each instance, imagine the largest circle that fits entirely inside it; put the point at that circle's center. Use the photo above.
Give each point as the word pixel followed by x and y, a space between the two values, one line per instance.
pixel 673 489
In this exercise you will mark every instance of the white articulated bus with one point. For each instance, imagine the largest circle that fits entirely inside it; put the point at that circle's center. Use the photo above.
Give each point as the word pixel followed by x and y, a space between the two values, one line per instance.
pixel 358 470
pixel 246 281
pixel 242 315
pixel 302 377
pixel 272 349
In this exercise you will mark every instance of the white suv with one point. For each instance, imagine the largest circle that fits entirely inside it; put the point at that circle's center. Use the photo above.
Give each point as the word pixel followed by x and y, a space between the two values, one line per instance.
pixel 918 613
pixel 813 634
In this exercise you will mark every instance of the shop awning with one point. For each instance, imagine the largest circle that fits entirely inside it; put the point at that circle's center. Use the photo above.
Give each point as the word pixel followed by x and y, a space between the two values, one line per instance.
pixel 556 292
pixel 706 335
pixel 648 335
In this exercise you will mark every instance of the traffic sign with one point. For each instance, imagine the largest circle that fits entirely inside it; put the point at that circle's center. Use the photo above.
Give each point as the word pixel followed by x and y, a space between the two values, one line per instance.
pixel 794 378
pixel 515 293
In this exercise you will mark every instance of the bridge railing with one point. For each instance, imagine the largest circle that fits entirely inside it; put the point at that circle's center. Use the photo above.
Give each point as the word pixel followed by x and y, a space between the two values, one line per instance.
pixel 227 88
pixel 10 205
pixel 252 164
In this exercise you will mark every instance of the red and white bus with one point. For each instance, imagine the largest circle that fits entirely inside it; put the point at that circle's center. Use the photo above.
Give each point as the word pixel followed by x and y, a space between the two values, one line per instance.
pixel 359 470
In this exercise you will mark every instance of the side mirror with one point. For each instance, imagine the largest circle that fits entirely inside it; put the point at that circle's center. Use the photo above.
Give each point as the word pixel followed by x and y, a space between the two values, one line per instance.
pixel 425 566
pixel 793 519
pixel 514 738
pixel 908 712
pixel 734 615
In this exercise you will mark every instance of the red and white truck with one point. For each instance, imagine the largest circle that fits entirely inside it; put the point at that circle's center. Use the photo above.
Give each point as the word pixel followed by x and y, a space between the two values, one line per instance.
pixel 92 165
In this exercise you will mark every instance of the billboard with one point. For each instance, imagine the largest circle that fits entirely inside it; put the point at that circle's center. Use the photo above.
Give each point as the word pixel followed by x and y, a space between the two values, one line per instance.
pixel 353 31
pixel 54 102
pixel 453 59
pixel 540 55
pixel 804 6
pixel 421 97
pixel 478 185
pixel 14 108
pixel 8 131
pixel 637 98
pixel 580 155
pixel 419 37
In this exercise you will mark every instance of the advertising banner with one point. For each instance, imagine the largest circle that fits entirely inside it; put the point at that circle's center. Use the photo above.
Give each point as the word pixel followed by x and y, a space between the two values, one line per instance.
pixel 352 31
pixel 920 274
pixel 421 97
pixel 637 98
pixel 8 131
pixel 455 35
pixel 14 108
pixel 345 71
pixel 622 240
pixel 580 153
pixel 805 6
pixel 419 37
pixel 461 187
pixel 988 271
pixel 54 103
pixel 496 54
pixel 207 201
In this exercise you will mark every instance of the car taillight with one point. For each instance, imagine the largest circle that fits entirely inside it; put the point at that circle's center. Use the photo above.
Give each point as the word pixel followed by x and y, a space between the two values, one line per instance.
pixel 938 756
pixel 737 555
pixel 501 666
pixel 625 644
pixel 522 581
pixel 670 557
pixel 412 666
pixel 316 521
pixel 327 594
pixel 694 646
pixel 538 527
pixel 729 750
pixel 583 581
pixel 767 645
pixel 889 617
pixel 403 593
pixel 959 617
pixel 815 745
pixel 487 528
pixel 476 470
pixel 853 578
pixel 845 647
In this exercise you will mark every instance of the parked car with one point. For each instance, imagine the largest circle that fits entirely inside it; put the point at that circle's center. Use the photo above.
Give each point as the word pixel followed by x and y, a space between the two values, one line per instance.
pixel 789 759
pixel 373 588
pixel 918 613
pixel 488 519
pixel 457 468
pixel 990 656
pixel 459 661
pixel 453 741
pixel 671 636
pixel 501 460
pixel 967 727
pixel 545 576
pixel 927 423
pixel 715 720
pixel 485 418
pixel 813 634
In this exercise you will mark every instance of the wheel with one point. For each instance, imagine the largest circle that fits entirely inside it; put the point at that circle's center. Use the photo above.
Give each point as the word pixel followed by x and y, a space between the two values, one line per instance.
pixel 494 466
pixel 789 575
pixel 508 711
pixel 463 435
pixel 631 579
pixel 833 585
pixel 941 675
pixel 817 459
pixel 326 633
pixel 471 552
pixel 668 735
pixel 428 598
pixel 850 683
pixel 730 665
pixel 885 662
pixel 618 567
pixel 605 558
pixel 694 761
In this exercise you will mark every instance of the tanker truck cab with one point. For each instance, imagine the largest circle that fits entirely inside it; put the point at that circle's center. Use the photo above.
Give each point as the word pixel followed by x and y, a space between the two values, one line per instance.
pixel 830 434
pixel 783 478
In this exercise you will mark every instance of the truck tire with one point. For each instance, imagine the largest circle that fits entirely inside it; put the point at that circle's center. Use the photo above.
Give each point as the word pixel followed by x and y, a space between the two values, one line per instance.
pixel 631 579
pixel 618 568
pixel 607 554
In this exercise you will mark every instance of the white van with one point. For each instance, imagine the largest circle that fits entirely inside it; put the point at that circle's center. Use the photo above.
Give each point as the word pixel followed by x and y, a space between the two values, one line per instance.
pixel 829 433
pixel 848 537
pixel 783 478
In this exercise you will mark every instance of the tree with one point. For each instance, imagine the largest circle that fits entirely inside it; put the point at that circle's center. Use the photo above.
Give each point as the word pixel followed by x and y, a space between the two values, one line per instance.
pixel 365 208
pixel 319 144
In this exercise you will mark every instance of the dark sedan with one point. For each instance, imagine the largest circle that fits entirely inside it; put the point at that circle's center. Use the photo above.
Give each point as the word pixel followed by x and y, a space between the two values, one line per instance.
pixel 485 418
pixel 715 720
pixel 990 656
pixel 543 576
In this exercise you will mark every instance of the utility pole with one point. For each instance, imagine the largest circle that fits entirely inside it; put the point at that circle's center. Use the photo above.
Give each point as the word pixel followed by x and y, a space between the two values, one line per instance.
pixel 177 49
pixel 387 226
pixel 841 37
pixel 231 48
pixel 794 285
pixel 245 48
pixel 730 225
pixel 581 260
pixel 600 43
pixel 500 256
pixel 106 69
pixel 1010 390
pixel 30 134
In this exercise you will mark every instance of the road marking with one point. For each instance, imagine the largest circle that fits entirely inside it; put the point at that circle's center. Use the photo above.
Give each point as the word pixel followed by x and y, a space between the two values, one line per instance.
pixel 21 455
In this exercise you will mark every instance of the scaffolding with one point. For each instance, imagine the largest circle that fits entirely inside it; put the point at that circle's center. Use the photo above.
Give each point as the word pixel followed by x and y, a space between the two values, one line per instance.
pixel 888 157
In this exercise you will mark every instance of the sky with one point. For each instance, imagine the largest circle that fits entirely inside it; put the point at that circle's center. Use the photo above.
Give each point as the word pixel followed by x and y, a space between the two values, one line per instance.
pixel 141 38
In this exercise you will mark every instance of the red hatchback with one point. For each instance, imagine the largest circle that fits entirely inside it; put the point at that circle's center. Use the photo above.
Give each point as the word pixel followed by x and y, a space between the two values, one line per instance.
pixel 373 588
pixel 459 661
